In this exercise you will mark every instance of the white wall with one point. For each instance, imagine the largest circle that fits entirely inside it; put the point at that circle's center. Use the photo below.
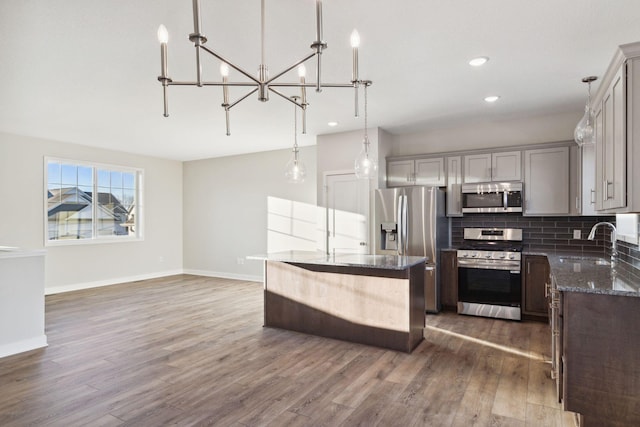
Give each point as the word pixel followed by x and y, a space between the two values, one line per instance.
pixel 225 209
pixel 488 134
pixel 74 267
pixel 338 152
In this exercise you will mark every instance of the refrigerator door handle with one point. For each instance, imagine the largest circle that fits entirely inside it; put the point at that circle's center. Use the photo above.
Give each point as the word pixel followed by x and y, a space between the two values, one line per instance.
pixel 405 225
pixel 399 229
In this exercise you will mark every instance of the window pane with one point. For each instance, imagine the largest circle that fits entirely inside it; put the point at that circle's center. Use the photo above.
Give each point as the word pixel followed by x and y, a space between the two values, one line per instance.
pixel 53 172
pixel 128 199
pixel 129 180
pixel 85 175
pixel 69 213
pixel 116 179
pixel 104 178
pixel 69 175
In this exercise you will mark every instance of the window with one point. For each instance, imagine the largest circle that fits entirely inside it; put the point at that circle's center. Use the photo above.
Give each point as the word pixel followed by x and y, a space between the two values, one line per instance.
pixel 90 202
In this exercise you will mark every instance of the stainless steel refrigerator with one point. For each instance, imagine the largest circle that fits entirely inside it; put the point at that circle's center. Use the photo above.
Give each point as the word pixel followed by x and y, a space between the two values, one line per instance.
pixel 411 221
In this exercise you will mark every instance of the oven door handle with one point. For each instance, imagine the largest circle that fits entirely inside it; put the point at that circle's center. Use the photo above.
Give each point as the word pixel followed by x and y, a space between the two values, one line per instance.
pixel 505 200
pixel 514 268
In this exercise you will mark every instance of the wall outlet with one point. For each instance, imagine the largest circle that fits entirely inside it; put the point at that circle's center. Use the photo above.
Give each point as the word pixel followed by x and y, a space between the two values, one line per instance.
pixel 577 234
pixel 240 260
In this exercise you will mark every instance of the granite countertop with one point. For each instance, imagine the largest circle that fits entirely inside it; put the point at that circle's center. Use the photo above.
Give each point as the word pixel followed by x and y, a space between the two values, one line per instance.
pixel 386 262
pixel 13 252
pixel 593 274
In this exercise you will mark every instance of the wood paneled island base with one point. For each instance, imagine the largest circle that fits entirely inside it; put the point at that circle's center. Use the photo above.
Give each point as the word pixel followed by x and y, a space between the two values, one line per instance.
pixel 380 306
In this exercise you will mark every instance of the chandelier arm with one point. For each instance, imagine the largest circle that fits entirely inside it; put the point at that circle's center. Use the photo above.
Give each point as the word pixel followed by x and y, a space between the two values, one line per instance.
pixel 291 67
pixel 239 84
pixel 310 85
pixel 233 104
pixel 231 64
pixel 286 97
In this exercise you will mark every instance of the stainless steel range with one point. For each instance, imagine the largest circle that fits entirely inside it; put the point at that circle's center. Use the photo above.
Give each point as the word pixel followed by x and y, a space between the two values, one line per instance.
pixel 489 280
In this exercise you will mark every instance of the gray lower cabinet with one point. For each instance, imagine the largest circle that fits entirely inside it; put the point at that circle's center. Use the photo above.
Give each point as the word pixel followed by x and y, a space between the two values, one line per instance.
pixel 546 181
pixel 449 280
pixel 534 282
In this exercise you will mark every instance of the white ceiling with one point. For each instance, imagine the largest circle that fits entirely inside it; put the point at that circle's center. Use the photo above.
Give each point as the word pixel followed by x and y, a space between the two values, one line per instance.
pixel 85 71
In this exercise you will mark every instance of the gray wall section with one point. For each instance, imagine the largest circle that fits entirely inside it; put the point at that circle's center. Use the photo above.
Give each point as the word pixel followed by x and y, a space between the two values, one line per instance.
pixel 225 208
pixel 22 210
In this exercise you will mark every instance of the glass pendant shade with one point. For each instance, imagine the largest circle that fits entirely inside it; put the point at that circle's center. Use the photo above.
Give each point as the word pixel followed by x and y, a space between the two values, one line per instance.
pixel 365 165
pixel 584 132
pixel 295 171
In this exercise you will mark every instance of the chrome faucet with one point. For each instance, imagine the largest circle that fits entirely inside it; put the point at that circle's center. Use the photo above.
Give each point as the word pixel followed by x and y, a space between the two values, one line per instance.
pixel 614 247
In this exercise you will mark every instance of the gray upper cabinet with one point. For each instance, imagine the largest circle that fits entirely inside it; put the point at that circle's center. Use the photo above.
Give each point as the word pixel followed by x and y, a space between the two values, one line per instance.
pixel 611 145
pixel 400 173
pixel 430 172
pixel 454 184
pixel 546 181
pixel 500 166
pixel 426 171
pixel 616 105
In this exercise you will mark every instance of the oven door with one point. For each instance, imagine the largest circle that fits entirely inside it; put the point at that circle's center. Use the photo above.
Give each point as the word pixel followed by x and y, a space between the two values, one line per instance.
pixel 487 282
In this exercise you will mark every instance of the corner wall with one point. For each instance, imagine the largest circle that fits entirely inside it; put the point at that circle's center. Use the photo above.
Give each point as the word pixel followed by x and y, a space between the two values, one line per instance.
pixel 225 209
pixel 89 265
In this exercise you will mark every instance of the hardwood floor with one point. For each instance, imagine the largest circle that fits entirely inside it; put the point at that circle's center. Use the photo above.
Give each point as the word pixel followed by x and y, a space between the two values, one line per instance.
pixel 189 350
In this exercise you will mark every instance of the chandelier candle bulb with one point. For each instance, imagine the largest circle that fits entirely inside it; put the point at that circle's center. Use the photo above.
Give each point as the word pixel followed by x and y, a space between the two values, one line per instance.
pixel 302 72
pixel 355 43
pixel 197 22
pixel 163 37
pixel 318 21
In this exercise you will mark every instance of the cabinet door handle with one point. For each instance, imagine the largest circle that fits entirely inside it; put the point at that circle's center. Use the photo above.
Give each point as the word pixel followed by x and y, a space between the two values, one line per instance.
pixel 593 197
pixel 578 204
pixel 606 190
pixel 528 267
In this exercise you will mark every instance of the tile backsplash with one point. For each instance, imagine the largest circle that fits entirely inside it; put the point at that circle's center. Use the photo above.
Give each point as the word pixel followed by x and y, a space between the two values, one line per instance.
pixel 544 233
pixel 629 253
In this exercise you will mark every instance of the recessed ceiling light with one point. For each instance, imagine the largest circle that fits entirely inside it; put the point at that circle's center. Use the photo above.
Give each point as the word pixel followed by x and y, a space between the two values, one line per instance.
pixel 492 98
pixel 476 62
pixel 333 124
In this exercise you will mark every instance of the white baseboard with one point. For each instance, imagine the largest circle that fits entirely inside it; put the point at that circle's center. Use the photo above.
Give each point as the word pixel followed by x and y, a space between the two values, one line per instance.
pixel 115 281
pixel 206 273
pixel 23 345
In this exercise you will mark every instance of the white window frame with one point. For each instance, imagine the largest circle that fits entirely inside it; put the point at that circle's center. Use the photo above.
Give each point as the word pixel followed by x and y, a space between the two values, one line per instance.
pixel 96 239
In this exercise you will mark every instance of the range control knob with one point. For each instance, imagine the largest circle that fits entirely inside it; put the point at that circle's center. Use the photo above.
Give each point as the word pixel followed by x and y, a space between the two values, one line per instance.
pixel 473 255
pixel 512 256
pixel 502 256
pixel 487 256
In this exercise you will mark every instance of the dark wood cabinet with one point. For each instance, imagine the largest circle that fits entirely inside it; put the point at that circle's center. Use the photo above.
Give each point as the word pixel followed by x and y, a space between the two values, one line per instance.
pixel 601 344
pixel 535 278
pixel 449 280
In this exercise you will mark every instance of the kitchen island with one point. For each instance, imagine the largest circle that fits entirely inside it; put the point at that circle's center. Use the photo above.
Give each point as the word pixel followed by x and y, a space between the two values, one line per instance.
pixel 369 299
pixel 596 338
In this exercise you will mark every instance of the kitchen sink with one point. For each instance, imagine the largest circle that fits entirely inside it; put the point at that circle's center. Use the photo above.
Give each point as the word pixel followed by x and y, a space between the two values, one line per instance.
pixel 584 260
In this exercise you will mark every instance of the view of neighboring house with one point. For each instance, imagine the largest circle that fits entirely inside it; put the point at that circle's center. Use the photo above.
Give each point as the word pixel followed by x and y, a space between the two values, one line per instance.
pixel 70 214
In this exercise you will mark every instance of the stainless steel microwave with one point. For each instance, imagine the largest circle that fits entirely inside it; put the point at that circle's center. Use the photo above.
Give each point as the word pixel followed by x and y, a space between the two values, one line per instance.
pixel 492 197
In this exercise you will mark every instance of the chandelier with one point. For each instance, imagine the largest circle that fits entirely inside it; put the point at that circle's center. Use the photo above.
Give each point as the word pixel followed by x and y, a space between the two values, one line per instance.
pixel 262 83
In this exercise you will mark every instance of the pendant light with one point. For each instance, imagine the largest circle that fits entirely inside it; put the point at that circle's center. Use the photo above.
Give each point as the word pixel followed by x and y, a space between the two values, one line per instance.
pixel 366 166
pixel 584 132
pixel 295 171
